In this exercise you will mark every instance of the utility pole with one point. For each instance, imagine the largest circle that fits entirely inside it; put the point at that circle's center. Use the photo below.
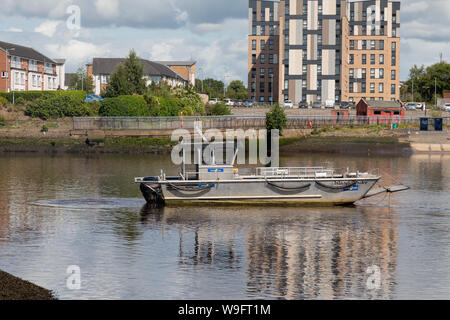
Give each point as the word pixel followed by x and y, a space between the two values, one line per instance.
pixel 412 99
pixel 435 92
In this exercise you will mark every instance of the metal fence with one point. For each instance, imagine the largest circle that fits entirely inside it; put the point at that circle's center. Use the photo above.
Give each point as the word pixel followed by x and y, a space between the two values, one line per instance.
pixel 235 122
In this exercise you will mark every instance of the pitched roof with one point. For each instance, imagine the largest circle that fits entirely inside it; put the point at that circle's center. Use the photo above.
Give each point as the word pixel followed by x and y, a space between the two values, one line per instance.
pixel 24 52
pixel 109 65
pixel 60 61
pixel 383 104
pixel 177 63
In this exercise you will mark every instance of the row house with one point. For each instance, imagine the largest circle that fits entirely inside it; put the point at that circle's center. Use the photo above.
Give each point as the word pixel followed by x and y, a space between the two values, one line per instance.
pixel 25 69
pixel 101 69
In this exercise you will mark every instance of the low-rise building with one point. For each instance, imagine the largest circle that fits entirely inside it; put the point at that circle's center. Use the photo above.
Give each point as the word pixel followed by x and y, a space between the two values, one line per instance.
pixel 102 68
pixel 186 69
pixel 25 69
pixel 380 111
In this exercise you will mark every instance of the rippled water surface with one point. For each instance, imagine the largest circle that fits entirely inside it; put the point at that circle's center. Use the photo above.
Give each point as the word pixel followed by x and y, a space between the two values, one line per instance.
pixel 57 211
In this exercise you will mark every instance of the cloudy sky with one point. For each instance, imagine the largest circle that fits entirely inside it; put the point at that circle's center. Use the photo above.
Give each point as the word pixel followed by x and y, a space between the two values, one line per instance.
pixel 211 32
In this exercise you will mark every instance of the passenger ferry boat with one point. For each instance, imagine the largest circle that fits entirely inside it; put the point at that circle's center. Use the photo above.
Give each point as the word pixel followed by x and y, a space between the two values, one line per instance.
pixel 227 184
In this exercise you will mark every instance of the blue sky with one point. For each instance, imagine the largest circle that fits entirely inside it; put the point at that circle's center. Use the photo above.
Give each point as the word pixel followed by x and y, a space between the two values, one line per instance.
pixel 212 32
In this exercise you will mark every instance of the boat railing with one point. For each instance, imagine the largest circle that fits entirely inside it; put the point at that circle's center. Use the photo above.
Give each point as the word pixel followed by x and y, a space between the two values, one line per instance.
pixel 317 172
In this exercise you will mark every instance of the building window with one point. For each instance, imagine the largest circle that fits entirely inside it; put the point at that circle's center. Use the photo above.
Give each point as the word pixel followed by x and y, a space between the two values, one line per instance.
pixel 393 75
pixel 394 32
pixel 319 69
pixel 271 58
pixel 261 87
pixel 305 23
pixel 382 30
pixel 263 59
pixel 394 18
pixel 305 55
pixel 253 31
pixel 271 14
pixel 271 30
pixel 261 72
pixel 304 84
pixel 393 89
pixel 270 86
pixel 364 59
pixel 381 45
pixel 351 59
pixel 319 39
pixel 263 44
pixel 286 84
pixel 261 99
pixel 270 44
pixel 352 73
pixel 270 72
pixel 320 9
pixel 372 44
pixel 286 24
pixel 34 80
pixel 253 44
pixel 372 59
pixel 253 86
pixel 320 24
pixel 305 39
pixel 394 46
pixel 372 73
pixel 380 89
pixel 253 73
pixel 363 87
pixel 372 87
pixel 286 9
pixel 393 62
pixel 253 58
pixel 363 73
pixel 351 87
pixel 352 15
pixel 352 44
pixel 337 69
pixel 364 29
pixel 381 73
pixel 319 84
pixel 381 58
pixel 286 69
pixel 364 44
pixel 319 53
pixel 304 69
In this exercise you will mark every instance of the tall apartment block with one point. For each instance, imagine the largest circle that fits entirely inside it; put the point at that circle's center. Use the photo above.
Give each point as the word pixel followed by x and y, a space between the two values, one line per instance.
pixel 324 51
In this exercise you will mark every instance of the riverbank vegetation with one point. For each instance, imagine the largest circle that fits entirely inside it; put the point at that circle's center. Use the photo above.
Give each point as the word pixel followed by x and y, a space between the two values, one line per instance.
pixel 13 288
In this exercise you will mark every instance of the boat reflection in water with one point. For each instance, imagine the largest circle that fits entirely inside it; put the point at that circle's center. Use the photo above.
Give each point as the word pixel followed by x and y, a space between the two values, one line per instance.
pixel 290 253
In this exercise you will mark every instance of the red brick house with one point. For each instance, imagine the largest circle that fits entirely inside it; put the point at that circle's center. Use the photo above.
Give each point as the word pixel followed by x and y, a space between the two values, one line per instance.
pixel 24 69
pixel 380 111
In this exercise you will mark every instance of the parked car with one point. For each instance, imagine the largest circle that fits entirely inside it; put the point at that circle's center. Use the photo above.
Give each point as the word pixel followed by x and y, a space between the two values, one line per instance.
pixel 412 106
pixel 316 105
pixel 229 102
pixel 249 103
pixel 345 105
pixel 238 103
pixel 447 107
pixel 302 105
pixel 288 104
pixel 93 97
pixel 213 101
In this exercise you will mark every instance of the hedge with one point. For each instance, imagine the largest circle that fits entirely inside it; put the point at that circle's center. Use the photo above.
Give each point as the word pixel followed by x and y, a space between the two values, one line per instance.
pixel 124 106
pixel 29 96
pixel 58 106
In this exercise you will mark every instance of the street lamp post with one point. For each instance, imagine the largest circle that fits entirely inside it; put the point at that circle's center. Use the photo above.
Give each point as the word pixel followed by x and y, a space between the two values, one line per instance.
pixel 435 92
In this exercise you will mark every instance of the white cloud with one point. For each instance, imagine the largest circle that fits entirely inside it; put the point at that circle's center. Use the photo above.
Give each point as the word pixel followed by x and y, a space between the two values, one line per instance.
pixel 13 29
pixel 77 52
pixel 107 8
pixel 48 27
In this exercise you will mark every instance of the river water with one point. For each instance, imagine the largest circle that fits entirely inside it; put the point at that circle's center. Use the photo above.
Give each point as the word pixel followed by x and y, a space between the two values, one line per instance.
pixel 64 210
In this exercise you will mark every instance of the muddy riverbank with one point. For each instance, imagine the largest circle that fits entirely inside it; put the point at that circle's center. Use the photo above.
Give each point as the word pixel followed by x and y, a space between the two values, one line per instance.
pixel 13 288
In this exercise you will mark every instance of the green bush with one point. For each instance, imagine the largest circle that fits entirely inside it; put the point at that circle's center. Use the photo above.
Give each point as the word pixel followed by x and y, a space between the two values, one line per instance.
pixel 219 109
pixel 54 107
pixel 19 101
pixel 276 118
pixel 29 96
pixel 44 128
pixel 2 121
pixel 94 107
pixel 124 106
pixel 3 102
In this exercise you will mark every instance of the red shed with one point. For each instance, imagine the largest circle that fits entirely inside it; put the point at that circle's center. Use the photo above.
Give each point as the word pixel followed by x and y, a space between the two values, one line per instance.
pixel 380 111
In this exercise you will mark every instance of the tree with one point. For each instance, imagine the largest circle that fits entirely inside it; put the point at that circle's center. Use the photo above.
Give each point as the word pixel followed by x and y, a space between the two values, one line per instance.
pixel 128 78
pixel 118 83
pixel 425 80
pixel 82 81
pixel 276 119
pixel 214 88
pixel 237 90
